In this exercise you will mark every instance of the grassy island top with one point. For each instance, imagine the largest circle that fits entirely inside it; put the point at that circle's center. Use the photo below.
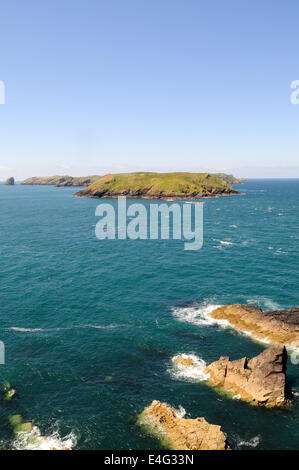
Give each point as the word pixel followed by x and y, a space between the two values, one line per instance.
pixel 64 180
pixel 158 185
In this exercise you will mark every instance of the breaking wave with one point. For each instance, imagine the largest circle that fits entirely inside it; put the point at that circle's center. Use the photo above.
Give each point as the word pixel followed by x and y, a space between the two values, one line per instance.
pixel 45 330
pixel 251 443
pixel 35 441
pixel 192 373
pixel 199 315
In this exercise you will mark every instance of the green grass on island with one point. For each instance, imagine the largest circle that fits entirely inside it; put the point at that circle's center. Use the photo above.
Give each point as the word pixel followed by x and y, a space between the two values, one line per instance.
pixel 64 180
pixel 158 185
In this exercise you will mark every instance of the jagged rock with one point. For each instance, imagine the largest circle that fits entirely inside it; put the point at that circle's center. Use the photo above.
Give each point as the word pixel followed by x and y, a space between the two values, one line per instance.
pixel 261 380
pixel 10 181
pixel 180 433
pixel 276 326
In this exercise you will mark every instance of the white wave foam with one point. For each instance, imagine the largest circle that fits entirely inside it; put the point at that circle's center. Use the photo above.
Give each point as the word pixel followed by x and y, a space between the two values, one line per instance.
pixel 199 315
pixel 237 397
pixel 181 412
pixel 24 330
pixel 194 373
pixel 222 243
pixel 264 303
pixel 251 443
pixel 45 330
pixel 35 441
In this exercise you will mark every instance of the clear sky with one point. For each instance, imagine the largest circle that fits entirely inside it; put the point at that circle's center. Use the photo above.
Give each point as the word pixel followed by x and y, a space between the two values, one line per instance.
pixel 98 86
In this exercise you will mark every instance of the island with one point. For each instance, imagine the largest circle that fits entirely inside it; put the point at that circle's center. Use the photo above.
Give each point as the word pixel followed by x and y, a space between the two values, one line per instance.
pixel 61 180
pixel 10 181
pixel 178 185
pixel 178 433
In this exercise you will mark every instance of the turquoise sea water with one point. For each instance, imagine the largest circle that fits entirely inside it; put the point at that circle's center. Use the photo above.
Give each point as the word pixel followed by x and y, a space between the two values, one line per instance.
pixel 90 327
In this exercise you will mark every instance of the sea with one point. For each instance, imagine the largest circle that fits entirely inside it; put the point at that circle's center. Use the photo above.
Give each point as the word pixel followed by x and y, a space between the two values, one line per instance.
pixel 91 327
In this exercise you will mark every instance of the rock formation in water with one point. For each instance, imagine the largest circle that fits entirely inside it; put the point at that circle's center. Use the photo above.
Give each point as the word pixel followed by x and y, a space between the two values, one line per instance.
pixel 179 433
pixel 261 380
pixel 278 326
pixel 6 391
pixel 10 181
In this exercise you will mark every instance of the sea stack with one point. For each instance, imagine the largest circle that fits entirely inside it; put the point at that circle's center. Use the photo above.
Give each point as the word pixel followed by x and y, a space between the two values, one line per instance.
pixel 179 433
pixel 10 181
pixel 260 381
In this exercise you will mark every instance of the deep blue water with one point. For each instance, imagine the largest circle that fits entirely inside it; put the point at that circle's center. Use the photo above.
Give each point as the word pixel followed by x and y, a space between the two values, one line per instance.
pixel 90 326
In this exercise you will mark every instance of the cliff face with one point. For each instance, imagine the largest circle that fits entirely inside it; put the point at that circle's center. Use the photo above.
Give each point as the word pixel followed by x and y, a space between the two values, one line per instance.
pixel 278 326
pixel 261 380
pixel 61 180
pixel 158 186
pixel 10 181
pixel 180 433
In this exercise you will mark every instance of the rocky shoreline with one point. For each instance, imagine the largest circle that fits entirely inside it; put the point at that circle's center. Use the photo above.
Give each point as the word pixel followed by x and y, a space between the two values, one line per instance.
pixel 272 326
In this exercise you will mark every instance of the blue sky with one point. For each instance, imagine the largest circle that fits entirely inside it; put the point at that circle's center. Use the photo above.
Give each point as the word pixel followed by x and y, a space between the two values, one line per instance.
pixel 99 86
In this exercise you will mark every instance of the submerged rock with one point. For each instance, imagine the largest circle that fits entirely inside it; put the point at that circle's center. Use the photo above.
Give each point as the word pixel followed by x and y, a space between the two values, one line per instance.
pixel 179 433
pixel 274 326
pixel 18 425
pixel 10 181
pixel 261 380
pixel 185 361
pixel 6 391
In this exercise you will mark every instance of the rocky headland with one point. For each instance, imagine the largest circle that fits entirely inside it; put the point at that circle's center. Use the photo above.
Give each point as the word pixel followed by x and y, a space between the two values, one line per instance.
pixel 158 186
pixel 230 179
pixel 10 181
pixel 178 433
pixel 273 326
pixel 61 180
pixel 260 380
